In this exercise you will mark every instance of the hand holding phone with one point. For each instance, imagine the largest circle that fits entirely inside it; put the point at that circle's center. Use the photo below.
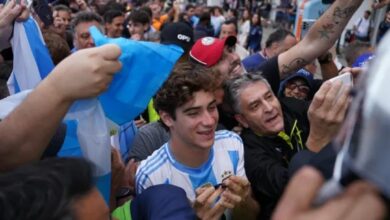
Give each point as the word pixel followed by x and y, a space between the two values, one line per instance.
pixel 346 79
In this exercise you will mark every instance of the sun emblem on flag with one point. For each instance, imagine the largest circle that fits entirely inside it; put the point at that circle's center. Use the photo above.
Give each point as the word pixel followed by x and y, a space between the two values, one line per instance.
pixel 226 174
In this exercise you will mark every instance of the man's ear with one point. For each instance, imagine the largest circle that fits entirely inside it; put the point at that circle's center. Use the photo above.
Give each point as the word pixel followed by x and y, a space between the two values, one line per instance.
pixel 242 120
pixel 166 118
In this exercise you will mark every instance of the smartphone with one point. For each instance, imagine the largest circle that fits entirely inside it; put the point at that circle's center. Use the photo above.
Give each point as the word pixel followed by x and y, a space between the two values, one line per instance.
pixel 345 78
pixel 41 7
pixel 220 185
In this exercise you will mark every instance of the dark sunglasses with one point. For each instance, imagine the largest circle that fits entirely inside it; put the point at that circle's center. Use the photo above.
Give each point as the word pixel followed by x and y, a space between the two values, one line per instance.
pixel 301 88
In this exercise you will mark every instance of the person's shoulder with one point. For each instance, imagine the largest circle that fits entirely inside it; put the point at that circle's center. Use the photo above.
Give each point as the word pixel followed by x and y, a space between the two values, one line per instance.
pixel 248 136
pixel 157 159
pixel 253 61
pixel 226 134
pixel 227 138
pixel 153 127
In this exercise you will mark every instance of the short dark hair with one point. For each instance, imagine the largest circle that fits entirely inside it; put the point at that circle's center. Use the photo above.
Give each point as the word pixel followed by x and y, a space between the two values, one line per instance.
pixel 111 14
pixel 277 36
pixel 147 10
pixel 231 21
pixel 47 188
pixel 111 5
pixel 189 6
pixel 62 8
pixel 354 50
pixel 85 16
pixel 234 11
pixel 185 79
pixel 139 16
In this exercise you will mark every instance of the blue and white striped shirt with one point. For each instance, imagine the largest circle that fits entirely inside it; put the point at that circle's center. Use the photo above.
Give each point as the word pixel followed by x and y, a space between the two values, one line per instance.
pixel 226 158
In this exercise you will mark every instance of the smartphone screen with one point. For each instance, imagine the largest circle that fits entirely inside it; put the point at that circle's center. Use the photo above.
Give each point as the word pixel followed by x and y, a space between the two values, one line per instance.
pixel 345 78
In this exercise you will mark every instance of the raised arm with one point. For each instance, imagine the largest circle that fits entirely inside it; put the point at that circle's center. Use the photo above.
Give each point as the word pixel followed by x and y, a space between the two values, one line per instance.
pixel 323 34
pixel 26 132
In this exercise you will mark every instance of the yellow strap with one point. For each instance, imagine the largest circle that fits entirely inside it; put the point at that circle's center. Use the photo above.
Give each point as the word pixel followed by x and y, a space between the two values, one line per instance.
pixel 286 138
pixel 153 115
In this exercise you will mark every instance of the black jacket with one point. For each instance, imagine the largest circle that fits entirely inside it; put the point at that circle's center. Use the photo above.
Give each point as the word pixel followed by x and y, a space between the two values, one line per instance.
pixel 267 157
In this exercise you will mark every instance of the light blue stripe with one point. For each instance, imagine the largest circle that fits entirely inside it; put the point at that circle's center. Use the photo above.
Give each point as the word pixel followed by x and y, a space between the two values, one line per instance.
pixel 144 176
pixel 229 136
pixel 191 170
pixel 150 161
pixel 38 48
pixel 222 132
pixel 234 159
pixel 153 159
pixel 199 179
pixel 154 166
pixel 16 85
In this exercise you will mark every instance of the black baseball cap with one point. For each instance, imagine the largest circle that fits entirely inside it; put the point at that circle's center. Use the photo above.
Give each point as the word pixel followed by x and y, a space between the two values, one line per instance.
pixel 178 33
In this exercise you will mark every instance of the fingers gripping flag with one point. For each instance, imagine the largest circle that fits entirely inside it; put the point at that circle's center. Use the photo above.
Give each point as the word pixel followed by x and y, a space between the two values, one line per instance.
pixel 145 68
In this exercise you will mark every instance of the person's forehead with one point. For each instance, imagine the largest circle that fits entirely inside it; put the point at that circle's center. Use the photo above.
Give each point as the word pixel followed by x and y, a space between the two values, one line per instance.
pixel 230 27
pixel 253 91
pixel 298 80
pixel 63 13
pixel 120 17
pixel 84 26
pixel 199 99
pixel 133 23
pixel 117 19
pixel 289 41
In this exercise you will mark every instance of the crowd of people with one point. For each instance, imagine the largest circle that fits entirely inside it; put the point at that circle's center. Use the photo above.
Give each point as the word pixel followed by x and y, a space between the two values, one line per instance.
pixel 239 130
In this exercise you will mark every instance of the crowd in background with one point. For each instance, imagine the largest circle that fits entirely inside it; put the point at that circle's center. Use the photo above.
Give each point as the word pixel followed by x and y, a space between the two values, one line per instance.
pixel 224 137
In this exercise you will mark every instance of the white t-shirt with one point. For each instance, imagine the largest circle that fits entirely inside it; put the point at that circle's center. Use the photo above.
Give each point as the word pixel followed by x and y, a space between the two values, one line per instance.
pixel 226 158
pixel 363 26
pixel 243 32
pixel 241 51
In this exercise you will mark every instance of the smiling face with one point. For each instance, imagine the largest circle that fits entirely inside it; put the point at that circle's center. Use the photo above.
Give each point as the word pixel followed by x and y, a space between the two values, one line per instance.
pixel 297 88
pixel 227 30
pixel 260 110
pixel 195 122
pixel 137 28
pixel 82 37
pixel 115 28
pixel 230 64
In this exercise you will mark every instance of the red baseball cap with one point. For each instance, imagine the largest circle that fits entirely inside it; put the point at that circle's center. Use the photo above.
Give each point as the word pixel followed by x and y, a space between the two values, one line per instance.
pixel 208 50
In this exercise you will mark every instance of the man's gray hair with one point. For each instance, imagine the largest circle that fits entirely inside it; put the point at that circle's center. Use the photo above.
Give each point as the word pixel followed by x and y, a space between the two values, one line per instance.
pixel 234 87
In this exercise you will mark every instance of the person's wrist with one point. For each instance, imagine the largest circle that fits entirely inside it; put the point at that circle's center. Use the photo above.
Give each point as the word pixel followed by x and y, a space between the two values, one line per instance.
pixel 315 144
pixel 325 59
pixel 52 87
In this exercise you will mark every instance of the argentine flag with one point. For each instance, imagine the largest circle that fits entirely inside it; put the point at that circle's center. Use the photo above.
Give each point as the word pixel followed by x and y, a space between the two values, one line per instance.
pixel 32 61
pixel 145 66
pixel 87 132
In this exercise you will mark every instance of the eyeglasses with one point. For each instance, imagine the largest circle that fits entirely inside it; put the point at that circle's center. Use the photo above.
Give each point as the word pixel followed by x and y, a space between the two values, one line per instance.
pixel 301 88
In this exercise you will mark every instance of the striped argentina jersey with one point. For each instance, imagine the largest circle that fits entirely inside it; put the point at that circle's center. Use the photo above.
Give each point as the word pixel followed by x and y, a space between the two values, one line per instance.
pixel 226 158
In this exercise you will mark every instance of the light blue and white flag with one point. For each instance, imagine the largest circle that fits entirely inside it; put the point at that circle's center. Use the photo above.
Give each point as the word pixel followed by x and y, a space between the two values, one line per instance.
pixel 87 131
pixel 145 66
pixel 32 61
